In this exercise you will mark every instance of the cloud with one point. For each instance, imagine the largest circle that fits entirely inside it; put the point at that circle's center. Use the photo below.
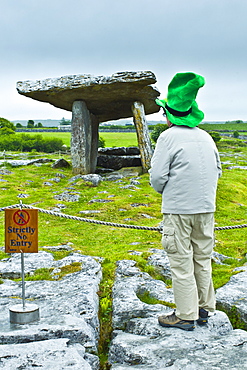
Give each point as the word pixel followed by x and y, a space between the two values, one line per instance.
pixel 61 37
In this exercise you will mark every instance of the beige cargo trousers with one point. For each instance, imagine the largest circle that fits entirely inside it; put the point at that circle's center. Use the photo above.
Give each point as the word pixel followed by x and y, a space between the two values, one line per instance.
pixel 188 241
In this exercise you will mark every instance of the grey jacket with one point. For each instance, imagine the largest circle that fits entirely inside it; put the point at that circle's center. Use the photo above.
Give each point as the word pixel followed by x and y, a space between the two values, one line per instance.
pixel 185 168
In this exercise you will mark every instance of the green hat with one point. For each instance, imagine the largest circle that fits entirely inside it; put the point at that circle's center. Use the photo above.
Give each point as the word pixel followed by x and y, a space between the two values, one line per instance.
pixel 180 105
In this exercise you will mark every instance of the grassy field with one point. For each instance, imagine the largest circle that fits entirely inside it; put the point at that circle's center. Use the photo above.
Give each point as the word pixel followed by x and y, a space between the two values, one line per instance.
pixel 114 243
pixel 111 138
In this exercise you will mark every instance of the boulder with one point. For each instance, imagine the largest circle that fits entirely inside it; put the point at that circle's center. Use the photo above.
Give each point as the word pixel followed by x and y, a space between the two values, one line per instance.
pixel 116 162
pixel 119 157
pixel 132 150
pixel 61 163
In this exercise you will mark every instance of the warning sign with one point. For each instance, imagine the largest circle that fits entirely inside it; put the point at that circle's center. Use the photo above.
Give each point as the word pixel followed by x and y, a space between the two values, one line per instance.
pixel 21 230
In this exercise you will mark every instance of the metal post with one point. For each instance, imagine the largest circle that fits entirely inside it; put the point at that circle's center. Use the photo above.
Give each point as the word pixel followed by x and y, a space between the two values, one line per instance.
pixel 23 280
pixel 22 273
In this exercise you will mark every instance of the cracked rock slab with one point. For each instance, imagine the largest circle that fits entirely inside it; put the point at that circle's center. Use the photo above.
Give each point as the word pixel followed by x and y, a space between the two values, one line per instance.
pixel 68 307
pixel 178 349
pixel 53 354
pixel 139 342
pixel 107 97
pixel 234 294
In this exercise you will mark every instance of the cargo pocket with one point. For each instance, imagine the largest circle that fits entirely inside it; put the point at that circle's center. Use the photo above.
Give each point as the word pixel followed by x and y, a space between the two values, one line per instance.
pixel 168 239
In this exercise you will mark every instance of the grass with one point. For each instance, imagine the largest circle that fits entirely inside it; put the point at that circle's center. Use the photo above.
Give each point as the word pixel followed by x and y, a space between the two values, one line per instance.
pixel 114 243
pixel 112 139
pixel 119 139
pixel 111 242
pixel 147 298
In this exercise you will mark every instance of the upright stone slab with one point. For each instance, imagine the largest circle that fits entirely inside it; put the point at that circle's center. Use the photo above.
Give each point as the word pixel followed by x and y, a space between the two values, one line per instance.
pixel 84 139
pixel 144 141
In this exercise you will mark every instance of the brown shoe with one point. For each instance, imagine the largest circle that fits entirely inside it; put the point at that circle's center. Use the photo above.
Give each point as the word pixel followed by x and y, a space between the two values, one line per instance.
pixel 172 321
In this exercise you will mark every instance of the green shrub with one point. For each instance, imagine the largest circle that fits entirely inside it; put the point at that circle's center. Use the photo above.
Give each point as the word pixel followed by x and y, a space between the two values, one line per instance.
pixel 5 123
pixel 27 143
pixel 101 143
pixel 6 131
pixel 157 130
pixel 215 135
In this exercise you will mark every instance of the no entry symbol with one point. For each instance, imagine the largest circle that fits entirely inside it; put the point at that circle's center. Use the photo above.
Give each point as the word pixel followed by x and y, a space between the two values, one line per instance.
pixel 21 217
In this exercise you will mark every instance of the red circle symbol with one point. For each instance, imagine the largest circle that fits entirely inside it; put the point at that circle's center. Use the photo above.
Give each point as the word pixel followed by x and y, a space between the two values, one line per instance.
pixel 21 217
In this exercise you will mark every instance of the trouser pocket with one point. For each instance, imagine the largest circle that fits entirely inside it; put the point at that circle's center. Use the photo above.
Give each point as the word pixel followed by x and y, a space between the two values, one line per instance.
pixel 168 239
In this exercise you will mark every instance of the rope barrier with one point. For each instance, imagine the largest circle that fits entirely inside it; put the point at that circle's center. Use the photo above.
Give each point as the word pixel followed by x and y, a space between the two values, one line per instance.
pixel 63 215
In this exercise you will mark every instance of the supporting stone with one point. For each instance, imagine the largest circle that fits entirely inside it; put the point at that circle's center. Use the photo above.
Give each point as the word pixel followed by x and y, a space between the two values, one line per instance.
pixel 144 141
pixel 84 139
pixel 94 142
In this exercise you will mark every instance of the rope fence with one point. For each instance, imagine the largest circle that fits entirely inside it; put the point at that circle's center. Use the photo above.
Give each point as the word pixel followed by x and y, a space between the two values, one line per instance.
pixel 75 218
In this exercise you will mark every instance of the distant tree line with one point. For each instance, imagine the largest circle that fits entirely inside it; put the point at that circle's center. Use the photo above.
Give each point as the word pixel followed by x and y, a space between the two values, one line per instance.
pixel 30 124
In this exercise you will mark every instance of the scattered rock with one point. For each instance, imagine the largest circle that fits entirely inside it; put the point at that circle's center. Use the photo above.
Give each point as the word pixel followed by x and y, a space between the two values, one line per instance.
pixel 89 212
pixel 146 215
pixel 55 179
pixel 26 162
pixel 68 196
pixel 61 163
pixel 95 179
pixel 61 175
pixel 134 182
pixel 4 171
pixel 130 187
pixel 218 258
pixel 101 201
pixel 21 195
pixel 114 177
pixel 238 167
pixel 62 247
pixel 139 205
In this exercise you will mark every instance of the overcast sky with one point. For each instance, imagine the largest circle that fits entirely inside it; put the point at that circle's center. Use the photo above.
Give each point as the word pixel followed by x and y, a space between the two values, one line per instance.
pixel 53 38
